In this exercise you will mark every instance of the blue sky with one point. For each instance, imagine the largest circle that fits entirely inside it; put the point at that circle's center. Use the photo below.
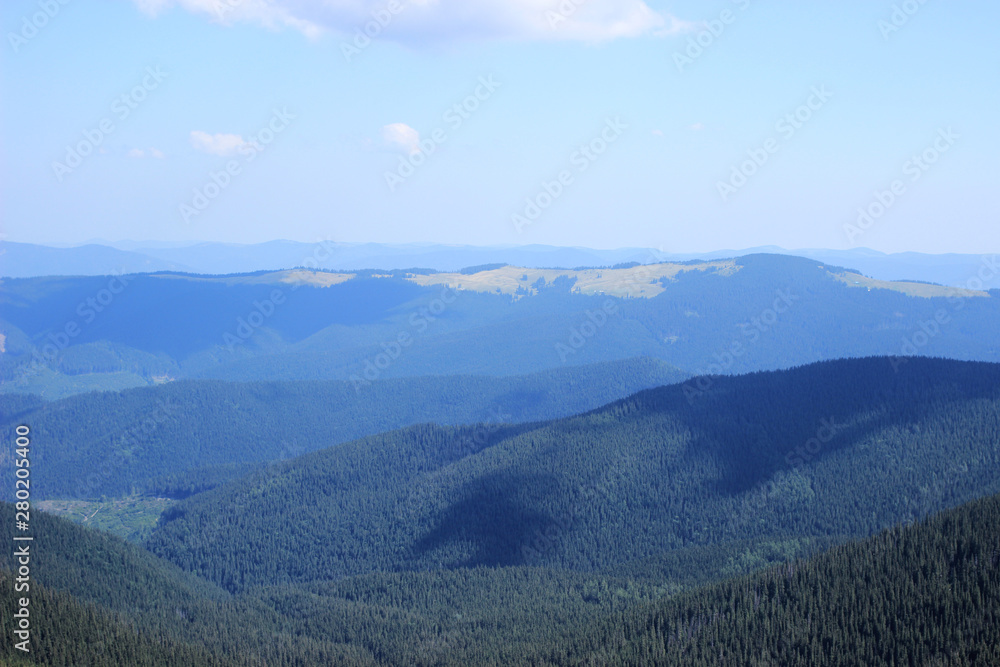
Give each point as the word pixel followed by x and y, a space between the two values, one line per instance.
pixel 688 151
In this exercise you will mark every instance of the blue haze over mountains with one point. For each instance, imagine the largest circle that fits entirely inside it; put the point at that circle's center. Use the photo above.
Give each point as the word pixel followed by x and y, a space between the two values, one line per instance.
pixel 24 260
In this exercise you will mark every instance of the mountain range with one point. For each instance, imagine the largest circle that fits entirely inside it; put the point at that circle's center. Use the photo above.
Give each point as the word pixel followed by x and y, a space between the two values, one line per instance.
pixel 842 512
pixel 66 335
pixel 742 459
pixel 99 257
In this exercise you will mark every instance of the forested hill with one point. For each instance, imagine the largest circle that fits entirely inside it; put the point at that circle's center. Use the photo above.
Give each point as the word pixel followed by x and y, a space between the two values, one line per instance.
pixel 181 437
pixel 66 335
pixel 842 448
pixel 98 600
pixel 926 594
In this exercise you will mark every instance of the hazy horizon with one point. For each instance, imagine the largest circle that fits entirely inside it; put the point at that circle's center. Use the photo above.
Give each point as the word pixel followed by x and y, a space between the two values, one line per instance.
pixel 135 244
pixel 605 124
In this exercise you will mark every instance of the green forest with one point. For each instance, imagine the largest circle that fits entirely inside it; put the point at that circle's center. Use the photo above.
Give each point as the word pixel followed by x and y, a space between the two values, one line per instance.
pixel 844 512
pixel 179 438
pixel 924 593
pixel 769 456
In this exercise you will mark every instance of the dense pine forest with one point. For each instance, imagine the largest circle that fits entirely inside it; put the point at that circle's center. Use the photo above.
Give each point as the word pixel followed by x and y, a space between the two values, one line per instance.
pixel 925 593
pixel 838 513
pixel 183 437
pixel 921 594
pixel 766 457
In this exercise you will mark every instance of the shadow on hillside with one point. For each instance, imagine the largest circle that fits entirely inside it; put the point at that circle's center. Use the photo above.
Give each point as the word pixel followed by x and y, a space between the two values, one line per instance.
pixel 756 425
pixel 495 517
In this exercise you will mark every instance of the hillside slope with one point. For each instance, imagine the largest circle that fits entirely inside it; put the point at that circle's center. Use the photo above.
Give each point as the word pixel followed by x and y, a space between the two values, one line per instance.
pixel 729 316
pixel 98 600
pixel 925 594
pixel 177 438
pixel 841 448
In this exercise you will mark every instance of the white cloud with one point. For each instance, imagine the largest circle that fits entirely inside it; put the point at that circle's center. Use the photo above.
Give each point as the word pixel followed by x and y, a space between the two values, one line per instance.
pixel 136 152
pixel 156 153
pixel 658 133
pixel 698 127
pixel 427 21
pixel 401 137
pixel 217 144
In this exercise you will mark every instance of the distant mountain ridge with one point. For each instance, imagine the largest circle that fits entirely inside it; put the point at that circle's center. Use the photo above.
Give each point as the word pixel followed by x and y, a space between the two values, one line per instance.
pixel 23 260
pixel 64 335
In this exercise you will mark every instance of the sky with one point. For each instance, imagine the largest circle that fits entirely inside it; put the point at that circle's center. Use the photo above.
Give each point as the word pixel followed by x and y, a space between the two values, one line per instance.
pixel 684 126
